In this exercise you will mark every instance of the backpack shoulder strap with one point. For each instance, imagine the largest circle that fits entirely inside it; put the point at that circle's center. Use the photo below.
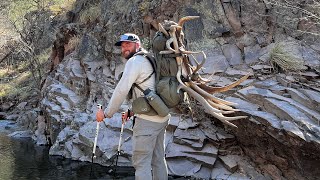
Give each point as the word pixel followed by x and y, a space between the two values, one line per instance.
pixel 150 58
pixel 137 86
pixel 153 64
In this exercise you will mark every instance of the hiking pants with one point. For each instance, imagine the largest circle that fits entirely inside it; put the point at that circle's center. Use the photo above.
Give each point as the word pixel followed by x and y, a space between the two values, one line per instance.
pixel 148 150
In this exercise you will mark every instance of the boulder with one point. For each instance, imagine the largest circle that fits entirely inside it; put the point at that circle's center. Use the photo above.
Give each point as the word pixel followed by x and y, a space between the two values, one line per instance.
pixel 21 134
pixel 311 57
pixel 6 106
pixel 292 129
pixel 220 172
pixel 229 163
pixel 252 54
pixel 205 156
pixel 192 137
pixel 182 167
pixel 258 95
pixel 22 105
pixel 314 96
pixel 300 97
pixel 232 54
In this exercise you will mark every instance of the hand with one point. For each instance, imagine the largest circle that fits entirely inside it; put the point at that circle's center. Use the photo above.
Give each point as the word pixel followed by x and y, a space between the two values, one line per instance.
pixel 100 115
pixel 126 116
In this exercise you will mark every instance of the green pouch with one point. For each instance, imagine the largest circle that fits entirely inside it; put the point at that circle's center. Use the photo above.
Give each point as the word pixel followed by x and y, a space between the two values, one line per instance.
pixel 167 90
pixel 141 106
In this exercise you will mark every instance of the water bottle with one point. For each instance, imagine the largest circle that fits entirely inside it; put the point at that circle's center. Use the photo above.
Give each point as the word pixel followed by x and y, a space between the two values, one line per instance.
pixel 156 102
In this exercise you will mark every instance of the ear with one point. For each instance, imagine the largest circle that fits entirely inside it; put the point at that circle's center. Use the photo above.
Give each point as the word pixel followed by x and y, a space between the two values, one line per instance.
pixel 138 46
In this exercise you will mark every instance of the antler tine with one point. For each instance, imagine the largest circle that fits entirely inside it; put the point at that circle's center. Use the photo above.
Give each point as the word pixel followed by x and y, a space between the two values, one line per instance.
pixel 161 29
pixel 168 45
pixel 180 24
pixel 167 24
pixel 212 90
pixel 185 67
pixel 166 52
pixel 188 52
pixel 194 59
pixel 226 120
pixel 187 18
pixel 222 106
pixel 196 77
pixel 172 33
pixel 199 66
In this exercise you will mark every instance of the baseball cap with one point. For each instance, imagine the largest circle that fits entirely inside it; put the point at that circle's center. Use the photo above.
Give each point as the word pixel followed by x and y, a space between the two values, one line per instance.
pixel 127 37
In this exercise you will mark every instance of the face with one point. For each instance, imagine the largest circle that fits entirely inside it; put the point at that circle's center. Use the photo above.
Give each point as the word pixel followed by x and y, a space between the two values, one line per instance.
pixel 128 49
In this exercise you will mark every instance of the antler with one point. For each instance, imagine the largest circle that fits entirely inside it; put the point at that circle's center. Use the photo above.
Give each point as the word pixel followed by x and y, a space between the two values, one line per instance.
pixel 195 85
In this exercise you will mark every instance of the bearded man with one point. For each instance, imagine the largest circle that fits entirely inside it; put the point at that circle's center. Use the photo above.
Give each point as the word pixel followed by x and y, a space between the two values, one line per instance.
pixel 149 130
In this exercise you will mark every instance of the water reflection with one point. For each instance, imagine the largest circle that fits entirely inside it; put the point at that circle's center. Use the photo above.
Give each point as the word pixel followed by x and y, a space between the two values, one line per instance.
pixel 6 158
pixel 21 159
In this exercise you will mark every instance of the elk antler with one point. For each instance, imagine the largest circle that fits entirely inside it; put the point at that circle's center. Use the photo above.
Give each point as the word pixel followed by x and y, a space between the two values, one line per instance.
pixel 195 85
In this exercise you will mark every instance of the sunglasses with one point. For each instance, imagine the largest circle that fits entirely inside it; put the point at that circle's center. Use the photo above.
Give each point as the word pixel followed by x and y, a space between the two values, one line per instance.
pixel 128 38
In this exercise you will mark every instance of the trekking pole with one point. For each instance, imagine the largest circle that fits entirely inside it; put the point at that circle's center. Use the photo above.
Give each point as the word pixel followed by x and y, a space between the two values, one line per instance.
pixel 119 145
pixel 95 142
pixel 123 119
pixel 99 117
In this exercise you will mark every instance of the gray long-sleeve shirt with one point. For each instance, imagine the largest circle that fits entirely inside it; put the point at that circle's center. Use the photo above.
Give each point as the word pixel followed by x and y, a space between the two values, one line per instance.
pixel 136 70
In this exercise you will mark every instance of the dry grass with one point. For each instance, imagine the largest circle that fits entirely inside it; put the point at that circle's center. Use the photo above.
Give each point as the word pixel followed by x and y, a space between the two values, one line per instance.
pixel 146 43
pixel 68 5
pixel 74 42
pixel 62 7
pixel 144 7
pixel 90 14
pixel 19 86
pixel 281 56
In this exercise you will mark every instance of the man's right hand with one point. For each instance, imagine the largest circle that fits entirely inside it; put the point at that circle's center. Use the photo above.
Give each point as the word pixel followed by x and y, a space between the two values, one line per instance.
pixel 100 114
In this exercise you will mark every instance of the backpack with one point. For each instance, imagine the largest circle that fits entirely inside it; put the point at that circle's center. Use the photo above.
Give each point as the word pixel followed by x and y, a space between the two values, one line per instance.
pixel 165 68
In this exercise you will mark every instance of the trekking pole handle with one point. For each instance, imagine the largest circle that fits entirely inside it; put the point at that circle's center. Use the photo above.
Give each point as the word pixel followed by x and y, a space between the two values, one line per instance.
pixel 125 116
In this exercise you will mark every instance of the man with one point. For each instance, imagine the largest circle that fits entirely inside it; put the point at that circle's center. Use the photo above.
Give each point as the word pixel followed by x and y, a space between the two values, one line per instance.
pixel 148 131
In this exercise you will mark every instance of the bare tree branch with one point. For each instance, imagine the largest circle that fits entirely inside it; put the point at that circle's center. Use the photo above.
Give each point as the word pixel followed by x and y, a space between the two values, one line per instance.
pixel 288 5
pixel 5 57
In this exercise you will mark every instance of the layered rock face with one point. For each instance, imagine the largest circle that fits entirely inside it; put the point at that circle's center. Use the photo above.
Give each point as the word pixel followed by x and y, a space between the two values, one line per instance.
pixel 279 139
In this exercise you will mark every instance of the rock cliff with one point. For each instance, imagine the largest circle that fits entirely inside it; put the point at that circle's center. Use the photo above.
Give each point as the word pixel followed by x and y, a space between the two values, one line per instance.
pixel 280 139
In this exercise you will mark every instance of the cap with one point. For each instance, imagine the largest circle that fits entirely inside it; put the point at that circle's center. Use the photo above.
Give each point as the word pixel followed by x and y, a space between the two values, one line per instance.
pixel 127 37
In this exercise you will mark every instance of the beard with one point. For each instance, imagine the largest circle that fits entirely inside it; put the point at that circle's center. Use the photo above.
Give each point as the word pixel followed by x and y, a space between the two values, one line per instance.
pixel 129 55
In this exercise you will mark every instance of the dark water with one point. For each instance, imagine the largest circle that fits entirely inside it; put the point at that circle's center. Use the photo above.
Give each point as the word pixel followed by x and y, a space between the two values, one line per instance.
pixel 21 159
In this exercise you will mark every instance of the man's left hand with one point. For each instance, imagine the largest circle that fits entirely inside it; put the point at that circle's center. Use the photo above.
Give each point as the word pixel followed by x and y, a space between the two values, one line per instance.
pixel 125 116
